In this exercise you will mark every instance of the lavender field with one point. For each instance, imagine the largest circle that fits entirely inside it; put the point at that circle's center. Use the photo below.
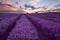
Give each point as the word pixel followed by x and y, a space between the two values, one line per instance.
pixel 44 26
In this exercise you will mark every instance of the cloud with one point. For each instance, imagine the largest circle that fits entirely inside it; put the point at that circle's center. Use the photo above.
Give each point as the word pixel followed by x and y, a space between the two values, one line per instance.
pixel 33 2
pixel 29 6
pixel 15 4
pixel 7 6
pixel 53 6
pixel 5 1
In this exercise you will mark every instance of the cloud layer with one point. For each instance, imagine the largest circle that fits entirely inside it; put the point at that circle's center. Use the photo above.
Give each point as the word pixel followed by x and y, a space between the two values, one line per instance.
pixel 33 2
pixel 30 4
pixel 7 6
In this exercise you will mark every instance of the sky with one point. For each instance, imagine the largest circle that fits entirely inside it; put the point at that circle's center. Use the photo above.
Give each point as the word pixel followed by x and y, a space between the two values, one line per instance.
pixel 33 4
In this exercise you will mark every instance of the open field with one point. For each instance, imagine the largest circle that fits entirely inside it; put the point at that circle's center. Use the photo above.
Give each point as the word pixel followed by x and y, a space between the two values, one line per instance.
pixel 35 26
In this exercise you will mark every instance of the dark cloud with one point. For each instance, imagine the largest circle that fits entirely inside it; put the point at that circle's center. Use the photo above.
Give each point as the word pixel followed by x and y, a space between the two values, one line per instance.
pixel 3 4
pixel 29 6
pixel 7 6
pixel 58 5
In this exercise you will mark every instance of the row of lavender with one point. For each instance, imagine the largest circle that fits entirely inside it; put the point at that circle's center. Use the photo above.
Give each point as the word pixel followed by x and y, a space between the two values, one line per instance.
pixel 47 28
pixel 51 16
pixel 24 30
pixel 7 22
